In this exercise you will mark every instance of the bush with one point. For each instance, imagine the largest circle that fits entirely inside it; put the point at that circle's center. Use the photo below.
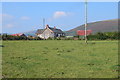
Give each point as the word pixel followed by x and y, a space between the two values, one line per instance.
pixel 105 36
pixel 97 36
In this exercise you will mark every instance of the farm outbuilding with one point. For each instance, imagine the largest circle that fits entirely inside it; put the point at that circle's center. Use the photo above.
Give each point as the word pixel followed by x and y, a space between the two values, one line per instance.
pixel 82 32
pixel 19 34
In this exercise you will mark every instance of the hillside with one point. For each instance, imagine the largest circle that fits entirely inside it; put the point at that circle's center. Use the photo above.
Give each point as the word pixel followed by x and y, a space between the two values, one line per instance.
pixel 30 33
pixel 100 26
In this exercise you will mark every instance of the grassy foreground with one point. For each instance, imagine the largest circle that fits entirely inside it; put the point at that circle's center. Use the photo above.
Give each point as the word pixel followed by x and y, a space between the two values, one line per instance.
pixel 60 59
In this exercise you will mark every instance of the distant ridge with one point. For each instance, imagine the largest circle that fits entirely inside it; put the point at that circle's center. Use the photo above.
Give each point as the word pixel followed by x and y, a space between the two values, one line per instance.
pixel 30 33
pixel 99 26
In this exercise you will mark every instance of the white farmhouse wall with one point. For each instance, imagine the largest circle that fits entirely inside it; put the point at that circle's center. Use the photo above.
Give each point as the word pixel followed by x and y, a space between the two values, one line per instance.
pixel 46 34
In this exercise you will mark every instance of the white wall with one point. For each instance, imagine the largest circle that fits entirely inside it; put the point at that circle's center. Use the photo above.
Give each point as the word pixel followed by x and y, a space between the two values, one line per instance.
pixel 46 34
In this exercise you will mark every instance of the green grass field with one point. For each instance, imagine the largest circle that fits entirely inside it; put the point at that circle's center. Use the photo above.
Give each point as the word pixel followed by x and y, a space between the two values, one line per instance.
pixel 60 59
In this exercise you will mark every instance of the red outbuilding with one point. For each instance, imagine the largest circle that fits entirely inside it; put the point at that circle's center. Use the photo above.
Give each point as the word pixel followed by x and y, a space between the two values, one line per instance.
pixel 82 32
pixel 19 34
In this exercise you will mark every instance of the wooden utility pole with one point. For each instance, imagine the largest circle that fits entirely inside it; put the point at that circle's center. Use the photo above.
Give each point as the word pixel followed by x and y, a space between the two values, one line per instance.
pixel 44 26
pixel 86 21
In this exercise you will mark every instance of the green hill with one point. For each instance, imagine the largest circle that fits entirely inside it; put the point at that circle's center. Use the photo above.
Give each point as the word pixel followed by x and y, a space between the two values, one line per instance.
pixel 100 26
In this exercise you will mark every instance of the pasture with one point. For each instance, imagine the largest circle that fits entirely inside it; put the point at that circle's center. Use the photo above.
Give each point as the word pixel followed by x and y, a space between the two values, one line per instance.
pixel 60 59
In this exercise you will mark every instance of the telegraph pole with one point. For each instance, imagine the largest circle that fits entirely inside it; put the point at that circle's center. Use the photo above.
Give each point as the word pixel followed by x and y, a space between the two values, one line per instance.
pixel 86 21
pixel 44 26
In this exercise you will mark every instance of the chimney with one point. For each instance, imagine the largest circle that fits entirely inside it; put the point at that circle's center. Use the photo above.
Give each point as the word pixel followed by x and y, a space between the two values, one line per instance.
pixel 47 26
pixel 54 27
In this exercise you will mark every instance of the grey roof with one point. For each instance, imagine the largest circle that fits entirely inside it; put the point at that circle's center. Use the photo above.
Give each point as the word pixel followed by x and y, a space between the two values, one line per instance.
pixel 39 31
pixel 31 34
pixel 56 30
pixel 72 33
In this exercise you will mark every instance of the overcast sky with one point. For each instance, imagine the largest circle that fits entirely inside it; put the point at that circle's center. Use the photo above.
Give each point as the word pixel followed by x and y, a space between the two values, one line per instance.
pixel 27 16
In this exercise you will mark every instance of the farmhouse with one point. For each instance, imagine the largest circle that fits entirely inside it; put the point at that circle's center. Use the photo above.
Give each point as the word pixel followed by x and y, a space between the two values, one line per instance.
pixel 49 32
